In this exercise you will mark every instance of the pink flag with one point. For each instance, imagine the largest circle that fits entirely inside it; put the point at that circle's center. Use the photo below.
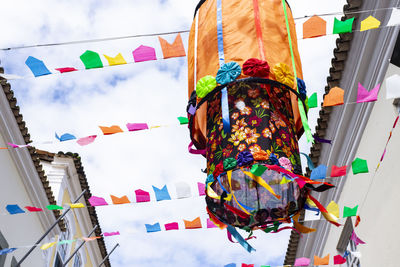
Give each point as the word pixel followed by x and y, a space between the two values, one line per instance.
pixel 338 171
pixel 144 53
pixel 302 262
pixel 86 140
pixel 210 224
pixel 68 69
pixel 137 126
pixel 16 146
pixel 111 233
pixel 356 240
pixel 338 259
pixel 142 196
pixel 171 226
pixel 202 189
pixel 97 201
pixel 364 96
pixel 300 182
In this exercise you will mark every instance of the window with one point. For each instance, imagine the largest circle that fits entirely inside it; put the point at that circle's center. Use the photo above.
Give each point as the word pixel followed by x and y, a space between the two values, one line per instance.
pixel 77 261
pixel 351 260
pixel 59 261
pixel 396 53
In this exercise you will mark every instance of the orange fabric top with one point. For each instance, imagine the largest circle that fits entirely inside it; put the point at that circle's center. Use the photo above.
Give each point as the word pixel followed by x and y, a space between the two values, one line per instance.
pixel 240 43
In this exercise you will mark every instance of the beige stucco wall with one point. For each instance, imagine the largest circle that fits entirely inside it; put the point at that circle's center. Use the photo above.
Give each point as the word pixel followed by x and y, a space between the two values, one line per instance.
pixel 378 194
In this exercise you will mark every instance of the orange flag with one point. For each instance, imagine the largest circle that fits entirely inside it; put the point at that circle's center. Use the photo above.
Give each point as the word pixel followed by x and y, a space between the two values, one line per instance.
pixel 110 130
pixel 321 261
pixel 87 239
pixel 175 49
pixel 120 200
pixel 196 223
pixel 314 27
pixel 334 97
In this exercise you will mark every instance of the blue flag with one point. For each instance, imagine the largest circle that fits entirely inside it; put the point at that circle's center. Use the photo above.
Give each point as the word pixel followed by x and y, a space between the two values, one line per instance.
pixel 37 66
pixel 14 209
pixel 7 250
pixel 319 172
pixel 150 228
pixel 65 137
pixel 161 194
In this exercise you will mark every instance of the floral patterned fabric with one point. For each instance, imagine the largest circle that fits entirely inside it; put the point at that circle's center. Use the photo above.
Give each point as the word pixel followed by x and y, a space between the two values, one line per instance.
pixel 261 124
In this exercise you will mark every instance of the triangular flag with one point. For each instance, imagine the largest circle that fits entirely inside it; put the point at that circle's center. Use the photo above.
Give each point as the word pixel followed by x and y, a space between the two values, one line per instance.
pixel 62 242
pixel 88 239
pixel 338 259
pixel 117 60
pixel 91 60
pixel 319 172
pixel 86 140
pixel 230 265
pixel 334 97
pixel 356 239
pixel 97 201
pixel 349 212
pixel 144 53
pixel 136 126
pixel 247 265
pixel 65 137
pixel 171 226
pixel 258 169
pixel 393 87
pixel 313 101
pixel 284 180
pixel 111 233
pixel 211 224
pixel 161 194
pixel 14 209
pixel 33 209
pixel 394 18
pixel 120 200
pixel 302 262
pixel 183 120
pixel 202 189
pixel 369 23
pixel 142 196
pixel 151 228
pixel 314 27
pixel 182 190
pixel 359 166
pixel 196 223
pixel 7 250
pixel 175 49
pixel 37 66
pixel 338 171
pixel 110 130
pixel 321 261
pixel 343 26
pixel 67 69
pixel 76 205
pixel 47 245
pixel 54 207
pixel 364 96
pixel 333 209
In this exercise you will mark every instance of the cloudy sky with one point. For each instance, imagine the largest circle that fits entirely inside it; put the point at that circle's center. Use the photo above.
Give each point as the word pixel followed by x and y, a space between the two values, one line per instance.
pixel 152 92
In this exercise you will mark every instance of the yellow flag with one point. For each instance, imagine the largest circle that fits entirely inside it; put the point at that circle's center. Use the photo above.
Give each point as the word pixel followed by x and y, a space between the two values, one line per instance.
pixel 333 209
pixel 117 60
pixel 76 205
pixel 369 23
pixel 284 180
pixel 47 245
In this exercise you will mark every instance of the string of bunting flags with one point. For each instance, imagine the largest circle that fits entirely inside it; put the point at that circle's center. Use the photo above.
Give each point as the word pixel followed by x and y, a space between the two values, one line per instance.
pixel 314 27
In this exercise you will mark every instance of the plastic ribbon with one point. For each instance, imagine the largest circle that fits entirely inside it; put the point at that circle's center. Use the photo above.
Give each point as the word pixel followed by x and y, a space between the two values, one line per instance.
pixel 230 237
pixel 258 29
pixel 301 228
pixel 239 238
pixel 229 174
pixel 261 181
pixel 312 209
pixel 321 140
pixel 239 213
pixel 214 219
pixel 196 151
pixel 387 142
pixel 302 111
pixel 211 193
pixel 309 161
pixel 329 217
pixel 245 158
pixel 221 56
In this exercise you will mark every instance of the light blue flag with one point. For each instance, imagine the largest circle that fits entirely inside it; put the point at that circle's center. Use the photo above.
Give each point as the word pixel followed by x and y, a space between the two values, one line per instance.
pixel 319 172
pixel 14 209
pixel 230 265
pixel 150 228
pixel 37 66
pixel 162 194
pixel 65 137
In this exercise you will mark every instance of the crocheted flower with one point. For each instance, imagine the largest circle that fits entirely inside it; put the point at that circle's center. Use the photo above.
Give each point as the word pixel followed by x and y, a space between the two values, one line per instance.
pixel 256 68
pixel 285 163
pixel 283 74
pixel 219 168
pixel 244 158
pixel 260 155
pixel 302 88
pixel 229 164
pixel 228 73
pixel 205 85
pixel 210 179
pixel 274 160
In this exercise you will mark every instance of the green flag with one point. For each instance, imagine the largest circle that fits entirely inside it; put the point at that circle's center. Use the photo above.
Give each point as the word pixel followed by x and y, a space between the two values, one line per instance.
pixel 359 166
pixel 349 212
pixel 54 207
pixel 313 101
pixel 183 120
pixel 91 60
pixel 258 170
pixel 343 26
